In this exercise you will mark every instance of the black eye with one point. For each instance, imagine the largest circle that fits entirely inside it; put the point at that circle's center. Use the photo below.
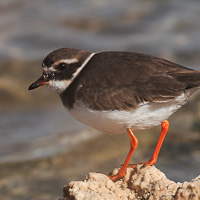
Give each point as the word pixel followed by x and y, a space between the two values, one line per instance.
pixel 61 66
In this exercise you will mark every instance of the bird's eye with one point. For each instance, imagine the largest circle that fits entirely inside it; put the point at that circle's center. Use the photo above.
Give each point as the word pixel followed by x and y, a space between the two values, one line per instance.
pixel 61 66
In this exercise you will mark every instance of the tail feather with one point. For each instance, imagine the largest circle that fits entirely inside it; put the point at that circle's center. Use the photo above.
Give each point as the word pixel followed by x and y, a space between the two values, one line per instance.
pixel 190 78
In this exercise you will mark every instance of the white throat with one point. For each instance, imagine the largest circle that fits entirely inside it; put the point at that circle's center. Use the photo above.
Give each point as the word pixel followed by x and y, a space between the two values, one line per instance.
pixel 61 85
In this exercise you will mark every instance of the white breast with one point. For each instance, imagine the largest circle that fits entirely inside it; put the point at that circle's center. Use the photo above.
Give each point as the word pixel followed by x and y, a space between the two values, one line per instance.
pixel 145 116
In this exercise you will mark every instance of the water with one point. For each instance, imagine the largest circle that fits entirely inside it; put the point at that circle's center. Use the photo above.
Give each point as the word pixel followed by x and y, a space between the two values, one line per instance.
pixel 30 29
pixel 30 134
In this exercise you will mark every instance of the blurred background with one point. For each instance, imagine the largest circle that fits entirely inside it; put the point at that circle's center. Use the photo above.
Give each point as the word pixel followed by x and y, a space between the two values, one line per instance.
pixel 41 147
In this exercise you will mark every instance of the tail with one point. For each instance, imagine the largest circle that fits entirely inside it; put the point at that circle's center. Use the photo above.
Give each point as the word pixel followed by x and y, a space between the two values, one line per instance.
pixel 190 78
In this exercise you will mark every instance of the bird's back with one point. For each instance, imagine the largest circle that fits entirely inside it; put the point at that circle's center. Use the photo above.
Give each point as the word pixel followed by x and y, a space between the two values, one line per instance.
pixel 122 80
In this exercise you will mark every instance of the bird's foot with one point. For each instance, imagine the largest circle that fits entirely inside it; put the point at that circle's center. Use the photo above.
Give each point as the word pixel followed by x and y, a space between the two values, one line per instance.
pixel 118 176
pixel 151 162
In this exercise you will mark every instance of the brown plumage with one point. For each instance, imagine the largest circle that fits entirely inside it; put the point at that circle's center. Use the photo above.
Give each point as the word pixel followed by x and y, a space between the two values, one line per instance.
pixel 122 80
pixel 115 92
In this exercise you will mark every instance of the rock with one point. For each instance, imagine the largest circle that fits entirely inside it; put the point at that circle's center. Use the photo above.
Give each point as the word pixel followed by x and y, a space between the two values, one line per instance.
pixel 139 183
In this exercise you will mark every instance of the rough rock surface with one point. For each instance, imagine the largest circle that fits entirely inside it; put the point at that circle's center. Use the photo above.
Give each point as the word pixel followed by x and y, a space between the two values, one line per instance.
pixel 139 183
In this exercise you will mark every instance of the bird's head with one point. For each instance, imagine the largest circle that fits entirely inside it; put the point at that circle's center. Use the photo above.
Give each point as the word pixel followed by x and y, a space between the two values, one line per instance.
pixel 60 67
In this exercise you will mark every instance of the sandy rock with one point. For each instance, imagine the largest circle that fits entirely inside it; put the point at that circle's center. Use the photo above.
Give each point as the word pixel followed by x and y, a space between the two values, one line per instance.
pixel 139 183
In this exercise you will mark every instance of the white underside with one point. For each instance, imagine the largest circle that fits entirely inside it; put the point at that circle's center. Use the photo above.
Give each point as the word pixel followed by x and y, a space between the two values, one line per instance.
pixel 146 116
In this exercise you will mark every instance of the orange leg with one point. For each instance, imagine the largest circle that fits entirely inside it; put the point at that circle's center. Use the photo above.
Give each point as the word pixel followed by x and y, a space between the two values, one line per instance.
pixel 153 159
pixel 133 144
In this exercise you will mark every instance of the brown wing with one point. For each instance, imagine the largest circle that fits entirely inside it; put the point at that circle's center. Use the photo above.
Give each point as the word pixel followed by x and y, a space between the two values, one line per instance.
pixel 122 80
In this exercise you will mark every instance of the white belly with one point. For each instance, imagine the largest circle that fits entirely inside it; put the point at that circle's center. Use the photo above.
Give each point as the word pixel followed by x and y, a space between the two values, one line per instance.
pixel 115 122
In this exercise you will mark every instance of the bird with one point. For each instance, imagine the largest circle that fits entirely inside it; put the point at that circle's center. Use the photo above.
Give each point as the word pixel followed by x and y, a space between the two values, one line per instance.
pixel 119 91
